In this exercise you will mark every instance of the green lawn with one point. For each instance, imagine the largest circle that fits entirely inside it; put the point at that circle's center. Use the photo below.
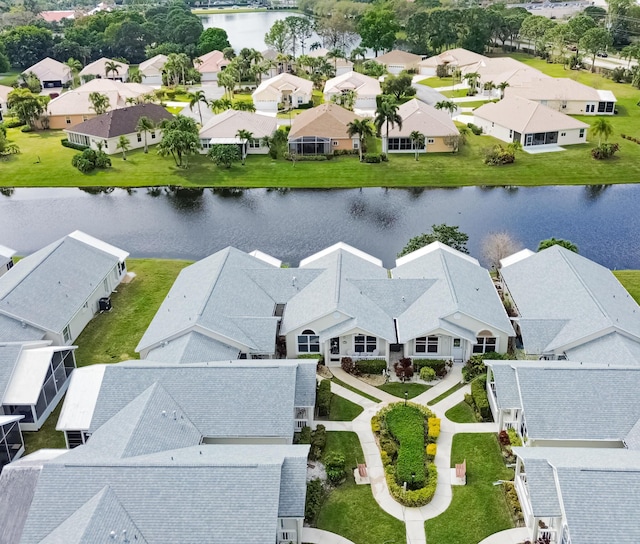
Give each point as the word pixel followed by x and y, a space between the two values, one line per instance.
pixel 474 103
pixel 458 93
pixel 9 78
pixel 631 281
pixel 461 413
pixel 47 436
pixel 351 388
pixel 343 409
pixel 350 510
pixel 398 389
pixel 478 509
pixel 436 82
pixel 112 337
pixel 444 395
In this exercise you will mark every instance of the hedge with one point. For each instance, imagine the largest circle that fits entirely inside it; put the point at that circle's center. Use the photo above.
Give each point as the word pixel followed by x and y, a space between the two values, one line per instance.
pixel 318 442
pixel 480 399
pixel 439 365
pixel 323 398
pixel 406 425
pixel 66 143
pixel 370 366
pixel 305 435
pixel 315 496
pixel 413 498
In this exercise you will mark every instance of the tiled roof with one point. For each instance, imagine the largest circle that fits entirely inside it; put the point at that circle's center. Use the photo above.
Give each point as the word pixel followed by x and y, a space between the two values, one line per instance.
pixel 49 69
pixel 417 115
pixel 326 120
pixel 227 125
pixel 398 57
pixel 99 68
pixel 362 85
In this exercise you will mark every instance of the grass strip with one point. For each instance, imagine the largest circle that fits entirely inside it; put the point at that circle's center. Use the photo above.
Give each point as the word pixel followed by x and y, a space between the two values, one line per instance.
pixel 351 388
pixel 461 413
pixel 444 395
pixel 397 389
pixel 343 409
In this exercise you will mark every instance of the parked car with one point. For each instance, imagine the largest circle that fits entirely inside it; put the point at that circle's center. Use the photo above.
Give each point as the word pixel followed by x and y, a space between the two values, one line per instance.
pixel 603 54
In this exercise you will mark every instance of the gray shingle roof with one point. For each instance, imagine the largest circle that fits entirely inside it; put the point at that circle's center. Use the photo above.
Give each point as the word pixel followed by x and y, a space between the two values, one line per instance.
pixel 614 348
pixel 507 394
pixel 542 488
pixel 17 486
pixel 9 355
pixel 186 495
pixel 121 122
pixel 47 288
pixel 13 330
pixel 557 286
pixel 193 347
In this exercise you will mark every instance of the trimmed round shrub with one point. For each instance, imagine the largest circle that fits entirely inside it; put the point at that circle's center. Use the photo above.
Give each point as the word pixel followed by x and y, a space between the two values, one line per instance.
pixel 427 374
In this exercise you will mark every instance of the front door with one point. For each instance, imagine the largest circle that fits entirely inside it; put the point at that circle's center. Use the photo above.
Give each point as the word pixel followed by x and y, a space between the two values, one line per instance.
pixel 528 139
pixel 456 350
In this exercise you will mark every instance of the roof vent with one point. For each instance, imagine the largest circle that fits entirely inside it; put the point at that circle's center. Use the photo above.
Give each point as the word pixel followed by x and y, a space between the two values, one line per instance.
pixel 112 534
pixel 24 324
pixel 403 299
pixel 293 281
pixel 164 413
pixel 174 415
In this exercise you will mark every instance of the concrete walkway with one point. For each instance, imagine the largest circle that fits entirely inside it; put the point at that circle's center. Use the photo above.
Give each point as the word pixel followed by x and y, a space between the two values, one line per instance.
pixel 413 518
pixel 318 536
pixel 510 536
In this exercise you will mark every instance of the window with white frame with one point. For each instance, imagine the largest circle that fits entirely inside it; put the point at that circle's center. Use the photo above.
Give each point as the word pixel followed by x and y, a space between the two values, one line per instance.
pixel 254 143
pixel 66 334
pixel 364 344
pixel 431 141
pixel 485 342
pixel 308 342
pixel 427 344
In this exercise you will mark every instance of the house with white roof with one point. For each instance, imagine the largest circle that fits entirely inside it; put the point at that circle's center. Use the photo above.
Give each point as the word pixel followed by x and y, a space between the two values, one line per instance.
pixel 51 73
pixel 438 129
pixel 283 91
pixel 566 95
pixel 366 90
pixel 497 70
pixel 223 129
pixel 6 259
pixel 575 495
pixel 99 69
pixel 4 97
pixel 548 403
pixel 397 61
pixel 569 307
pixel 53 293
pixel 74 106
pixel 151 70
pixel 451 59
pixel 230 402
pixel 210 65
pixel 531 123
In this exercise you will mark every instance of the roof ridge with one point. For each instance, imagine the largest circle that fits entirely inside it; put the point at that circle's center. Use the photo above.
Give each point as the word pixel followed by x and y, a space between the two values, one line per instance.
pixel 445 268
pixel 213 285
pixel 336 293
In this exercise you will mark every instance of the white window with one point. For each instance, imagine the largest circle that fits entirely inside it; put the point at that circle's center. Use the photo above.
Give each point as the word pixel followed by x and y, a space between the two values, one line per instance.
pixel 356 144
pixel 67 120
pixel 139 137
pixel 581 133
pixel 308 342
pixel 105 284
pixel 254 143
pixel 335 143
pixel 485 342
pixel 153 135
pixel 431 141
pixel 66 334
pixel 365 344
pixel 563 134
pixel 427 344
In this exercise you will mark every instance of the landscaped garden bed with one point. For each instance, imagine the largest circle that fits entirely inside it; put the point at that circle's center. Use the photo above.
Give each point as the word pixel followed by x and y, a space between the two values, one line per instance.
pixel 406 434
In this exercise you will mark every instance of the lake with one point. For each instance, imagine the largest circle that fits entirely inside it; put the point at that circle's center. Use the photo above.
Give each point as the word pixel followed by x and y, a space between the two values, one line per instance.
pixel 291 224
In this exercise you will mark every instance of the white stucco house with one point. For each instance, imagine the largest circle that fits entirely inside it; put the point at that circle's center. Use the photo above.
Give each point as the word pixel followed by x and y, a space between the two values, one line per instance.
pixel 98 69
pixel 531 123
pixel 53 293
pixel 6 259
pixel 106 129
pixel 223 129
pixel 366 90
pixel 451 59
pixel 4 97
pixel 498 70
pixel 151 70
pixel 283 91
pixel 51 73
pixel 397 61
pixel 340 65
pixel 210 65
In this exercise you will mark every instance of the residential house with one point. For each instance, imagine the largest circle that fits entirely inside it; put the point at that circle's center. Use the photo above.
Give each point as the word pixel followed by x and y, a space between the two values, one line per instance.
pixel 53 293
pixel 284 91
pixel 56 16
pixel 74 106
pixel 437 127
pixel 223 129
pixel 530 123
pixel 11 440
pixel 397 61
pixel 366 90
pixel 575 495
pixel 340 65
pixel 322 130
pixel 151 70
pixel 438 303
pixel 210 65
pixel 6 259
pixel 569 307
pixel 229 402
pixel 495 71
pixel 98 69
pixel 4 97
pixel 146 476
pixel 550 403
pixel 33 378
pixel 51 73
pixel 452 59
pixel 566 95
pixel 106 129
pixel 278 63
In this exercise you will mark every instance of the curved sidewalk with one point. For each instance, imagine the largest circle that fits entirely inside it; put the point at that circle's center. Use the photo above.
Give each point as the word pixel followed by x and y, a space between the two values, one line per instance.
pixel 311 535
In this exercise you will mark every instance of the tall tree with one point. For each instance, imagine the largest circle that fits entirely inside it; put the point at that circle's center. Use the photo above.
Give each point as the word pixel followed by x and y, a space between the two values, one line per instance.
pixel 246 136
pixel 113 68
pixel 123 145
pixel 145 125
pixel 75 66
pixel 363 130
pixel 300 30
pixel 498 245
pixel 387 114
pixel 534 28
pixel 378 28
pixel 443 233
pixel 195 99
pixel 417 141
pixel 577 27
pixel 601 128
pixel 594 41
pixel 213 39
pixel 26 45
pixel 279 37
pixel 99 102
pixel 567 244
pixel 26 106
pixel 179 139
pixel 228 79
pixel 398 86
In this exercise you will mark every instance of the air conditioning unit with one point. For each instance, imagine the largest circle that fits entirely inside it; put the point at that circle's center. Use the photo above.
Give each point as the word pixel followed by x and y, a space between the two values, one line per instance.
pixel 104 304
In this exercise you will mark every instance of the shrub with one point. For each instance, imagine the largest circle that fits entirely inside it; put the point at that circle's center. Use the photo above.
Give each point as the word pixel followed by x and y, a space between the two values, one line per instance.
pixel 433 424
pixel 427 374
pixel 372 158
pixel 13 123
pixel 514 438
pixel 498 156
pixel 375 424
pixel 306 158
pixel 503 437
pixel 340 152
pixel 305 435
pixel 511 497
pixel 441 71
pixel 348 365
pixel 604 151
pixel 468 399
pixel 475 365
pixel 480 399
pixel 403 368
pixel 475 129
pixel 334 465
pixel 89 160
pixel 432 449
pixel 370 366
pixel 26 128
pixel 323 398
pixel 66 143
pixel 318 442
pixel 440 366
pixel 315 496
pixel 418 497
pixel 388 446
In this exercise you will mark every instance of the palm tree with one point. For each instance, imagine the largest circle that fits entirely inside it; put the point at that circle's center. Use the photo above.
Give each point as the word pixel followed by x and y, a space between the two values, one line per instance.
pixel 124 145
pixel 448 105
pixel 195 99
pixel 111 67
pixel 246 136
pixel 228 79
pixel 602 129
pixel 336 54
pixel 145 125
pixel 361 128
pixel 75 66
pixel 417 141
pixel 502 86
pixel 489 86
pixel 99 102
pixel 472 80
pixel 387 114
